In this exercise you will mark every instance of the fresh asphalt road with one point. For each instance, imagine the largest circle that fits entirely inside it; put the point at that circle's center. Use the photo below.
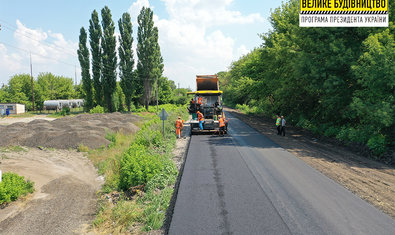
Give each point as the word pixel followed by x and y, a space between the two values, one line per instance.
pixel 246 184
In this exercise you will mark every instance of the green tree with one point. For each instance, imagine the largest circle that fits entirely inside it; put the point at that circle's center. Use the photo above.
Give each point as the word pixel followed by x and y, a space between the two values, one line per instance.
pixel 149 66
pixel 373 105
pixel 20 90
pixel 83 57
pixel 165 90
pixel 126 62
pixel 55 87
pixel 333 81
pixel 95 35
pixel 109 58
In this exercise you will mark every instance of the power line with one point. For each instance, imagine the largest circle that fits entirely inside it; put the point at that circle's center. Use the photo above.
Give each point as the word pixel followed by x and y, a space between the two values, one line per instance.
pixel 47 57
pixel 10 27
pixel 25 34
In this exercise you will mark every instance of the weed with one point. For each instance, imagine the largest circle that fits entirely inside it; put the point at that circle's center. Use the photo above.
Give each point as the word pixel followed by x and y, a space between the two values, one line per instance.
pixel 16 148
pixel 13 186
pixel 97 109
pixel 3 156
pixel 82 148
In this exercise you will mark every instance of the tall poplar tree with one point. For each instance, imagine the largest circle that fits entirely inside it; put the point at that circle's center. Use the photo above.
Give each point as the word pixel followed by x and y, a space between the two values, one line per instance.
pixel 109 58
pixel 95 34
pixel 126 57
pixel 83 57
pixel 149 66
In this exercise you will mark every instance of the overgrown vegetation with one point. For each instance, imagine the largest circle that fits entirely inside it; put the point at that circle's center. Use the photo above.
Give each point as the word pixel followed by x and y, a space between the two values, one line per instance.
pixel 97 109
pixel 140 169
pixel 14 186
pixel 337 82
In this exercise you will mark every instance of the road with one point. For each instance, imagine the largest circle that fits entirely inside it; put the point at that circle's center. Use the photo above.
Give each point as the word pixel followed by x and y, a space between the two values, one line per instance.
pixel 246 184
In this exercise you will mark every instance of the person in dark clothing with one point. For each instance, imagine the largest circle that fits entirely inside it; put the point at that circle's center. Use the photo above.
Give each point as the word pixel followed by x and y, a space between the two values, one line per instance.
pixel 278 125
pixel 283 122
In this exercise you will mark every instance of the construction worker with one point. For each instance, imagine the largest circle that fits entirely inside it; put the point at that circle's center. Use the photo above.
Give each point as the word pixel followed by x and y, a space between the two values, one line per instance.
pixel 192 108
pixel 200 100
pixel 179 127
pixel 201 119
pixel 278 124
pixel 221 125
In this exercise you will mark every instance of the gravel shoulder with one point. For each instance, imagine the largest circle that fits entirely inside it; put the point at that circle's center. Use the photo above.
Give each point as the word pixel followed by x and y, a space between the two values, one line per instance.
pixel 370 180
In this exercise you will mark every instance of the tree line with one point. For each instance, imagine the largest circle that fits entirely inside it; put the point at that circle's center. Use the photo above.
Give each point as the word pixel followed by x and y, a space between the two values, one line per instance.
pixel 337 82
pixel 137 84
pixel 47 86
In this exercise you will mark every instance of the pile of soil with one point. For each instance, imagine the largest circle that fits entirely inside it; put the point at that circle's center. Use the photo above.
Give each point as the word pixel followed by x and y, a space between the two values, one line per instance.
pixel 64 201
pixel 69 132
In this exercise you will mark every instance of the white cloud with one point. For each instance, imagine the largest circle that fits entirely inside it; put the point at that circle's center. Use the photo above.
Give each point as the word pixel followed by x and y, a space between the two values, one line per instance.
pixel 241 51
pixel 191 38
pixel 46 47
pixel 207 13
pixel 135 9
pixel 9 62
pixel 50 52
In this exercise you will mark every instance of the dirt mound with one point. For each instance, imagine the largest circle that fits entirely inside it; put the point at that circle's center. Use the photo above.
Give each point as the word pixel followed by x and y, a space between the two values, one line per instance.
pixel 68 132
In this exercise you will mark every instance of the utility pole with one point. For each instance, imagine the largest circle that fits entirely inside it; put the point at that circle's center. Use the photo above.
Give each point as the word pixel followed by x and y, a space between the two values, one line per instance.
pixel 31 78
pixel 75 75
pixel 157 96
pixel 178 89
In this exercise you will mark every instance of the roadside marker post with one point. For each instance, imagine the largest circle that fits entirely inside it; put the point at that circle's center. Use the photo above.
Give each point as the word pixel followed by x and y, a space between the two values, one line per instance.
pixel 0 176
pixel 163 116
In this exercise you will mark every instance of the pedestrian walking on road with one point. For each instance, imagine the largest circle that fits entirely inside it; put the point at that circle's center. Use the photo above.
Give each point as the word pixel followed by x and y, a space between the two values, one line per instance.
pixel 179 127
pixel 278 124
pixel 283 122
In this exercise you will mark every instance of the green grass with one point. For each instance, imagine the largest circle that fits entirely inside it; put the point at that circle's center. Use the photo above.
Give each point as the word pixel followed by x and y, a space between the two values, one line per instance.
pixel 144 159
pixel 16 148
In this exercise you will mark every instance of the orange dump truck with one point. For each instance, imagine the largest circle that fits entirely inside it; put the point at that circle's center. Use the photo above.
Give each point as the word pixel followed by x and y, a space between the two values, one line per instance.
pixel 207 99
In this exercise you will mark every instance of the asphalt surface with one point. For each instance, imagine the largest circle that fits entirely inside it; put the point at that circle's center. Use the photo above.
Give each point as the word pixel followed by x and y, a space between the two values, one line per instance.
pixel 244 183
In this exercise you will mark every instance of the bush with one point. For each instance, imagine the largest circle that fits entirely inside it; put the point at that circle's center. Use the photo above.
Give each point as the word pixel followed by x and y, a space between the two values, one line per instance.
pixel 112 137
pixel 82 148
pixel 65 111
pixel 377 144
pixel 13 186
pixel 97 109
pixel 331 131
pixel 180 100
pixel 165 178
pixel 138 166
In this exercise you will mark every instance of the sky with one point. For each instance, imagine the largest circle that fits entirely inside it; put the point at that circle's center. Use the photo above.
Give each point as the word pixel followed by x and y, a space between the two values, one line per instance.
pixel 196 37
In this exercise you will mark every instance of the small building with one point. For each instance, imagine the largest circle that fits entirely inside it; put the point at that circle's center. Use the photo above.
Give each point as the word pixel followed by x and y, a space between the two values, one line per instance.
pixel 13 107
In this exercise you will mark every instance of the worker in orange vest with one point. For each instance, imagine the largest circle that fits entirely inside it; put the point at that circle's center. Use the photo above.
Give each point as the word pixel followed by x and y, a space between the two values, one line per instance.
pixel 221 121
pixel 179 127
pixel 200 100
pixel 201 119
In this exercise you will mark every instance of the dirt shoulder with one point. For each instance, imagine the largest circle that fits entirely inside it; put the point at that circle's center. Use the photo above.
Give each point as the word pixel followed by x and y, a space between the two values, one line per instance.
pixel 64 201
pixel 370 180
pixel 11 120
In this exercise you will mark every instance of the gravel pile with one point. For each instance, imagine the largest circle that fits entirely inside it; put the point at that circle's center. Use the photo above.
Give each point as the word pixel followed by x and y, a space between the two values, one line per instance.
pixel 68 132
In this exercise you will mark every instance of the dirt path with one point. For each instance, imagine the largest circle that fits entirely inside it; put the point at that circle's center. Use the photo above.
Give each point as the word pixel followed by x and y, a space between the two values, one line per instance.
pixel 370 180
pixel 64 201
pixel 11 120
